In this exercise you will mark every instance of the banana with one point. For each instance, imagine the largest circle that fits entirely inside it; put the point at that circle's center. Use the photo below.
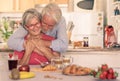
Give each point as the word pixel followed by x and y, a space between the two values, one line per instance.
pixel 24 75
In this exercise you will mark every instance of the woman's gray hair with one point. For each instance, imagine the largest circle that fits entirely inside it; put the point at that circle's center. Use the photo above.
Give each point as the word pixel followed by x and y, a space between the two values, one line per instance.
pixel 53 10
pixel 29 14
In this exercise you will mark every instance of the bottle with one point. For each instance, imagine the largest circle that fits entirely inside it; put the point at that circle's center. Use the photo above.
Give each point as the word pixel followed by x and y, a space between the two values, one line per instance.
pixel 85 42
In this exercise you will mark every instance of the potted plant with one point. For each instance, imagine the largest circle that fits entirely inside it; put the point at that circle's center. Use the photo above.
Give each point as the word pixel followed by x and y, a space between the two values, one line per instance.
pixel 5 29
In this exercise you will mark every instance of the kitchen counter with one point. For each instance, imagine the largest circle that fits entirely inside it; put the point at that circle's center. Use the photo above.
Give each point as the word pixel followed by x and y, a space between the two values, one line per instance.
pixel 4 48
pixel 91 49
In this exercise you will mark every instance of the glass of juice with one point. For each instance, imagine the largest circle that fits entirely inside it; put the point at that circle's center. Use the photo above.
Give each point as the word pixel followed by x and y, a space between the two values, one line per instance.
pixel 12 61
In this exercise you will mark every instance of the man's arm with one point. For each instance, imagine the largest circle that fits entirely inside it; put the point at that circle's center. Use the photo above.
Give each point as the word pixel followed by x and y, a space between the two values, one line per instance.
pixel 60 44
pixel 16 40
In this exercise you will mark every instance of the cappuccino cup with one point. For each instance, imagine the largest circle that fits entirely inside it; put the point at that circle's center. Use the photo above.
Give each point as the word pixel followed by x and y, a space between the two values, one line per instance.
pixel 67 60
pixel 58 62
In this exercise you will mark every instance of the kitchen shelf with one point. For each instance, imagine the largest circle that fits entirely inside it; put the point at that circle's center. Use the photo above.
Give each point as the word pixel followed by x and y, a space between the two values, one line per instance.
pixel 116 2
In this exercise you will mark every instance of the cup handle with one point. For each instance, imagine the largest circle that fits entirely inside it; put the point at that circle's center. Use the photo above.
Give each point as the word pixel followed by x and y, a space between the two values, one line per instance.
pixel 71 59
pixel 52 62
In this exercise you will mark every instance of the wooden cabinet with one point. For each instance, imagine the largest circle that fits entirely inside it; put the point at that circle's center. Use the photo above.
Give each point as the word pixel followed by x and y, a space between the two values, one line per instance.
pixel 61 1
pixel 22 5
pixel 48 1
pixel 6 5
pixel 41 1
pixel 25 4
pixel 16 5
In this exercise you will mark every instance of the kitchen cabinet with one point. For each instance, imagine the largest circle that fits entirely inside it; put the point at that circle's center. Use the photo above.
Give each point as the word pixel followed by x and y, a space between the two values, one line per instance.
pixel 22 5
pixel 6 5
pixel 116 6
pixel 48 1
pixel 15 5
pixel 61 1
pixel 25 4
pixel 41 1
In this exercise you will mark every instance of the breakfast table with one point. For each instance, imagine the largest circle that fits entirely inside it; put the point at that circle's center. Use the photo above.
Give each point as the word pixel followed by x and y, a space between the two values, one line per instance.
pixel 45 75
pixel 49 76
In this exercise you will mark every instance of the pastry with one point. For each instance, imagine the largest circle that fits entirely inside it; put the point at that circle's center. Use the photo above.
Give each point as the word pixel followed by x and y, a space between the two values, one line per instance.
pixel 73 69
pixel 67 70
pixel 76 70
pixel 49 68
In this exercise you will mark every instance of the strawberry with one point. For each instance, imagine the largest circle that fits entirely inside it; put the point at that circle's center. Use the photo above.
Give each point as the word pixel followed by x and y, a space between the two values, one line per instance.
pixel 110 71
pixel 110 76
pixel 105 73
pixel 104 67
pixel 102 76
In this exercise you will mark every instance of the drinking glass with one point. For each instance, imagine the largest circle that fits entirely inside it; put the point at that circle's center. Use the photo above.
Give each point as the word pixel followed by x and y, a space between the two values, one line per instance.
pixel 12 61
pixel 58 62
pixel 67 60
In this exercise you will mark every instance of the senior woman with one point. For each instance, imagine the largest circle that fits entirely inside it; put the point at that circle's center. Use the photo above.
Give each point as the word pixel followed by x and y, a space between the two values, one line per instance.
pixel 53 24
pixel 31 21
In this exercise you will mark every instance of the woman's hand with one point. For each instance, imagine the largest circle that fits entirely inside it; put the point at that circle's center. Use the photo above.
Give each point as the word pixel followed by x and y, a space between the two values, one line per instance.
pixel 29 47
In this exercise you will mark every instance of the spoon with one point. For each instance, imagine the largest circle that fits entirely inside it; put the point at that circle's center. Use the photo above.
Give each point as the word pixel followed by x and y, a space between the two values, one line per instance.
pixel 41 63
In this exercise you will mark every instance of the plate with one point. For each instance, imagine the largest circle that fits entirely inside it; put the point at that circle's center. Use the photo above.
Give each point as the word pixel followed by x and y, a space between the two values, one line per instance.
pixel 75 74
pixel 25 75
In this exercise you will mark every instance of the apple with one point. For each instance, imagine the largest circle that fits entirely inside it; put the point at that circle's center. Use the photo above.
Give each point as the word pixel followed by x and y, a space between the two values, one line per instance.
pixel 24 68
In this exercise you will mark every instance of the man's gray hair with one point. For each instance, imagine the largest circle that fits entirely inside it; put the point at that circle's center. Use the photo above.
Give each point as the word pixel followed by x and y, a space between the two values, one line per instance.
pixel 53 10
pixel 29 14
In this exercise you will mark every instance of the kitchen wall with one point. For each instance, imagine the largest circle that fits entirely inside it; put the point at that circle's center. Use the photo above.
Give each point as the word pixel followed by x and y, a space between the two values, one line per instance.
pixel 95 58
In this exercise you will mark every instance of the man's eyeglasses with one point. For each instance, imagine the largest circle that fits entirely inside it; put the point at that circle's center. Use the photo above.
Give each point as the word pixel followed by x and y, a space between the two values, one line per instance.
pixel 33 25
pixel 43 23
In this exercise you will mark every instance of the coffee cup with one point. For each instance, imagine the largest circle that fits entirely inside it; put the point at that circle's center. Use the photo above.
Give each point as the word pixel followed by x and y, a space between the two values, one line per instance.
pixel 67 60
pixel 58 62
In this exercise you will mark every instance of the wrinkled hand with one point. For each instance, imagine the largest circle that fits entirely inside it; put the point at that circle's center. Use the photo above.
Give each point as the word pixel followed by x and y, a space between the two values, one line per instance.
pixel 38 43
pixel 29 47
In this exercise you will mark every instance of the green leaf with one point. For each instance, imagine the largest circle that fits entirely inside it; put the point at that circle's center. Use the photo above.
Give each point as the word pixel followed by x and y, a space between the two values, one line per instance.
pixel 116 74
pixel 98 74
